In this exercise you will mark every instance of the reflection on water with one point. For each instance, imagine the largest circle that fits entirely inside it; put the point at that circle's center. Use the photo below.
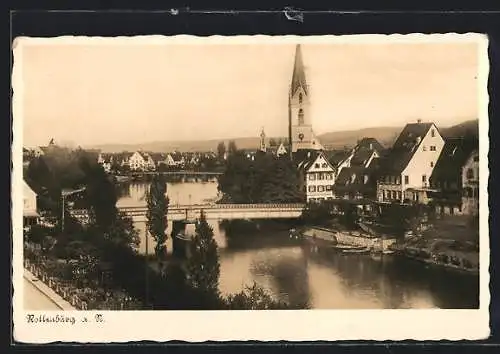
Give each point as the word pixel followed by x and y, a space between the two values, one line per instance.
pixel 295 274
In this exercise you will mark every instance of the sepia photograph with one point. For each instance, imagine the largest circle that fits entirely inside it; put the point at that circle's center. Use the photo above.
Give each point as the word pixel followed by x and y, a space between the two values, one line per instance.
pixel 191 175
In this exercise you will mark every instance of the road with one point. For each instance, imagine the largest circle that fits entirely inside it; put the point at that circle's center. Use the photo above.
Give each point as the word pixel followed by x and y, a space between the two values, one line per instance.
pixel 35 300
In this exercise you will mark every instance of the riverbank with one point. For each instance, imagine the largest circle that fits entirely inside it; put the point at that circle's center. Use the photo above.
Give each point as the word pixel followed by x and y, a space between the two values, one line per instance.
pixel 454 255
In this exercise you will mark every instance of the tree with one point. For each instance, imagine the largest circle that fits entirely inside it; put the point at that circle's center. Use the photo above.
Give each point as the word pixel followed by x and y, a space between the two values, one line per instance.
pixel 272 142
pixel 203 268
pixel 100 194
pixel 253 298
pixel 123 233
pixel 221 150
pixel 232 149
pixel 157 214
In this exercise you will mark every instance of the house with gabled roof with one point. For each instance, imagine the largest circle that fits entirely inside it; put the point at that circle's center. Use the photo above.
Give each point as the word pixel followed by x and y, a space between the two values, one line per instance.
pixel 30 208
pixel 317 176
pixel 105 160
pixel 356 182
pixel 141 161
pixel 456 177
pixel 406 168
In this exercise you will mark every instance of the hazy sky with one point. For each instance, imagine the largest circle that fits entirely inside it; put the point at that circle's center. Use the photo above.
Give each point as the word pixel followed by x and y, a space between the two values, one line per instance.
pixel 131 93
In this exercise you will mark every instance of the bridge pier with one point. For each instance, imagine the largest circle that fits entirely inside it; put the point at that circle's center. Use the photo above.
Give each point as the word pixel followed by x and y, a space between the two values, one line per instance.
pixel 179 247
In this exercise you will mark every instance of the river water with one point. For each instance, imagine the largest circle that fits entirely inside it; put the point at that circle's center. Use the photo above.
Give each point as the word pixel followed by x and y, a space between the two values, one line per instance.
pixel 292 273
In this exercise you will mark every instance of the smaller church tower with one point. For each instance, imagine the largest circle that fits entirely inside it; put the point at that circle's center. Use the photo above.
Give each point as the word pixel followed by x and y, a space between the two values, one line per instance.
pixel 263 140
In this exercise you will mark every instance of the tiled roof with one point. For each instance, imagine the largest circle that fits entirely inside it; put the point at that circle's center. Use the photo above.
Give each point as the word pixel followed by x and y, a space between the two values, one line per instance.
pixel 307 160
pixel 365 143
pixel 353 179
pixel 404 148
pixel 361 157
pixel 336 157
pixel 453 157
pixel 157 156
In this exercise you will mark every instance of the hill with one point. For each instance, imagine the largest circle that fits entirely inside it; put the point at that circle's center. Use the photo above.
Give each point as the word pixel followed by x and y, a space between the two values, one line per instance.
pixel 333 140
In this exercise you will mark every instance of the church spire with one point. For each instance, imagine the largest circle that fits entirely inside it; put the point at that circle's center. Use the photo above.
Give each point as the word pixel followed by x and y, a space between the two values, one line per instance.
pixel 299 76
pixel 262 140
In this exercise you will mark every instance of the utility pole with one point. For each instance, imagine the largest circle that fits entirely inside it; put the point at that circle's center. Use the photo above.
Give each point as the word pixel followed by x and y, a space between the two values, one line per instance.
pixel 147 263
pixel 62 218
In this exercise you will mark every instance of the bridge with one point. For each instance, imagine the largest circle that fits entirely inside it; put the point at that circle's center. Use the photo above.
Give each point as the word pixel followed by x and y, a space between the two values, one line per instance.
pixel 222 211
pixel 176 173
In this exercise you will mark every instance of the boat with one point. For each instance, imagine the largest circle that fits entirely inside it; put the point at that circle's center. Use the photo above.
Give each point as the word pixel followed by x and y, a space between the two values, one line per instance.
pixel 356 251
pixel 387 252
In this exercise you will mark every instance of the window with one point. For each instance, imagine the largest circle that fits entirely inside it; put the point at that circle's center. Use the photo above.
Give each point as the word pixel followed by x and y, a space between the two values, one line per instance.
pixel 321 188
pixel 424 178
pixel 407 179
pixel 312 188
pixel 316 165
pixel 433 133
pixel 328 176
pixel 323 165
pixel 433 148
pixel 312 176
pixel 321 176
pixel 300 97
pixel 398 180
pixel 398 194
pixel 328 188
pixel 432 163
pixel 470 173
pixel 424 148
pixel 301 116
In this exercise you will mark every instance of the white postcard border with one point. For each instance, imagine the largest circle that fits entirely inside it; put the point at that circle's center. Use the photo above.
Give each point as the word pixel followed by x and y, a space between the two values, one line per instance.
pixel 303 325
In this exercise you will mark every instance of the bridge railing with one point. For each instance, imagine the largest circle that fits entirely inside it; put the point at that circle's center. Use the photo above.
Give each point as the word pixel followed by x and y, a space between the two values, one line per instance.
pixel 223 206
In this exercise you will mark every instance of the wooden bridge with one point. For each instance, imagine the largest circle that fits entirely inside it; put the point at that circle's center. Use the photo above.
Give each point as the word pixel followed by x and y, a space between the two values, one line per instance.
pixel 222 211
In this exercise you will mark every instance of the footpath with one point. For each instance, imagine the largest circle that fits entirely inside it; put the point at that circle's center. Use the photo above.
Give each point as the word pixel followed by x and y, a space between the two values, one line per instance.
pixel 48 292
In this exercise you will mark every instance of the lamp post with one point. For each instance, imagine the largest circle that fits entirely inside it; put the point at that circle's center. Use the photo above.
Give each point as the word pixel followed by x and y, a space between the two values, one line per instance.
pixel 147 262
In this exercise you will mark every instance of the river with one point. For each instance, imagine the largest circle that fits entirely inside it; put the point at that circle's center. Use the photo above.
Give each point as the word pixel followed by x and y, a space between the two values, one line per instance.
pixel 294 274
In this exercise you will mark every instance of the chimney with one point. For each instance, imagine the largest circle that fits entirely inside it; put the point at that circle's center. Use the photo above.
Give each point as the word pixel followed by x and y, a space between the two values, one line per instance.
pixel 419 121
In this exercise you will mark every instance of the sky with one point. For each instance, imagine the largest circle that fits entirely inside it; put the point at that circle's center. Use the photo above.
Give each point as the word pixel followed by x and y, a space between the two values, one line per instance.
pixel 133 92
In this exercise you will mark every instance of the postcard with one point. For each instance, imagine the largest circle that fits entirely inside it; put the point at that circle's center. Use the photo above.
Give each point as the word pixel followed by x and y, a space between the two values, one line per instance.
pixel 250 188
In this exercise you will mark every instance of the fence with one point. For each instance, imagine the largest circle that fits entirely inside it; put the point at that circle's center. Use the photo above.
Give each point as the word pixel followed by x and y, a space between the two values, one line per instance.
pixel 82 299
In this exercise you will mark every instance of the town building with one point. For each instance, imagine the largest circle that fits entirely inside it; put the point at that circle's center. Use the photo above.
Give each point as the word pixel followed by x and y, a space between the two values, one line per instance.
pixel 141 161
pixel 106 161
pixel 365 152
pixel 30 213
pixel 456 177
pixel 356 182
pixel 174 160
pixel 301 135
pixel 317 176
pixel 406 168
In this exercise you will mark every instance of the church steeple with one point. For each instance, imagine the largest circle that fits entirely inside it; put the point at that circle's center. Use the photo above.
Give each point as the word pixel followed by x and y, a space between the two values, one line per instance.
pixel 263 140
pixel 298 76
pixel 301 135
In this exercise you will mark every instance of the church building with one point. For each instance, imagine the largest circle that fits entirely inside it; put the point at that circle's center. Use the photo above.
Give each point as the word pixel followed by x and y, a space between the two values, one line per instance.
pixel 300 132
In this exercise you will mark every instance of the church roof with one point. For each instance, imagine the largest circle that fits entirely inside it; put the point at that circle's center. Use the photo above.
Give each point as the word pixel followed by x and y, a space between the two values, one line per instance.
pixel 299 76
